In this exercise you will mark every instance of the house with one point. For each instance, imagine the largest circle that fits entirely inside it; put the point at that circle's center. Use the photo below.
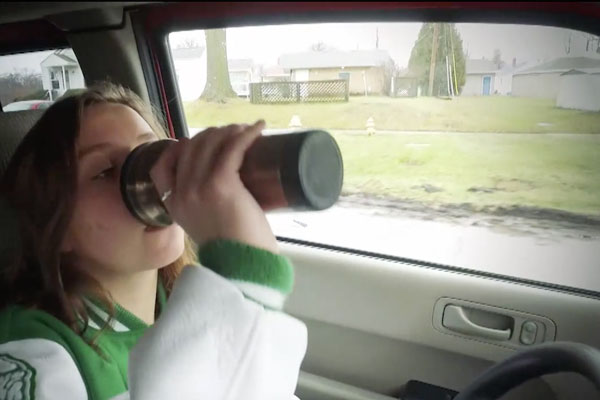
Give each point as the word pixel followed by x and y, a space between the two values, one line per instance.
pixel 544 80
pixel 365 70
pixel 241 73
pixel 504 76
pixel 579 89
pixel 274 74
pixel 484 77
pixel 191 71
pixel 480 78
pixel 61 72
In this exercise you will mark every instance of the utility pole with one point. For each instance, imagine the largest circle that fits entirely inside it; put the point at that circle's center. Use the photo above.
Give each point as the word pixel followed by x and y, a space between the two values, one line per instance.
pixel 433 57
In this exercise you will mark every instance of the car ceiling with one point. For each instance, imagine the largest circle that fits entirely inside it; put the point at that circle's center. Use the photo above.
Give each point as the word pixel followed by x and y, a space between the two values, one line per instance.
pixel 25 11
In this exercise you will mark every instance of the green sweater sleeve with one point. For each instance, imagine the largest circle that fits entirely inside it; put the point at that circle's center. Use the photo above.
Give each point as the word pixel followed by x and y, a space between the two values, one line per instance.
pixel 263 276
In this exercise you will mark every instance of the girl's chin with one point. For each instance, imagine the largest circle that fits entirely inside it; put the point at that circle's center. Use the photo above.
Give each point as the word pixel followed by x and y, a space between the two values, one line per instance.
pixel 166 243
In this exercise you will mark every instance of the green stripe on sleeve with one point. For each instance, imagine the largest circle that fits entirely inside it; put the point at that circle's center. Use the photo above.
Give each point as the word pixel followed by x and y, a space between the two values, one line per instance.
pixel 235 260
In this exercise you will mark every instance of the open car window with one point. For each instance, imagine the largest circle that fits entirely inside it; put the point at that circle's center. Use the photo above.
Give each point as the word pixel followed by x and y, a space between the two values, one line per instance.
pixel 34 80
pixel 484 157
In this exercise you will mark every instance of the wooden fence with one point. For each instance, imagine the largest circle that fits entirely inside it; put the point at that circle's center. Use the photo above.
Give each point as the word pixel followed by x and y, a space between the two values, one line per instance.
pixel 299 92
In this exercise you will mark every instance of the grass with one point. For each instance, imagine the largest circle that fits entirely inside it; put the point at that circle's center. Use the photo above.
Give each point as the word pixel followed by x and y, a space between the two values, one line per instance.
pixel 462 114
pixel 557 172
pixel 545 171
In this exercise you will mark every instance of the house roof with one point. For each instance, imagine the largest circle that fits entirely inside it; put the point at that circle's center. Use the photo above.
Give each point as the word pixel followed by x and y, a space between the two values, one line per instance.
pixel 561 65
pixel 581 71
pixel 334 59
pixel 186 53
pixel 65 55
pixel 482 66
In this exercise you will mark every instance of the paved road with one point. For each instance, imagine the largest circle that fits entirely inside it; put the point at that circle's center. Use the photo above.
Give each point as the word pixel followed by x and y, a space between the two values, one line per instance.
pixel 550 258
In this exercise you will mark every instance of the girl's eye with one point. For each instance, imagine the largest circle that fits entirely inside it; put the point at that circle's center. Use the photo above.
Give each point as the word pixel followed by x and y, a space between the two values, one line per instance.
pixel 107 173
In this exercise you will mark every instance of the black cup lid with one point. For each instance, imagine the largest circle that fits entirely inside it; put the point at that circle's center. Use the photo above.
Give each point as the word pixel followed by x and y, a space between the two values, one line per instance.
pixel 320 169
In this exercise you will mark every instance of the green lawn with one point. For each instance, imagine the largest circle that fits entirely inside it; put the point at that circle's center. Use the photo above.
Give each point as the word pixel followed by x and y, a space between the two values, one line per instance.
pixel 546 171
pixel 462 114
pixel 558 172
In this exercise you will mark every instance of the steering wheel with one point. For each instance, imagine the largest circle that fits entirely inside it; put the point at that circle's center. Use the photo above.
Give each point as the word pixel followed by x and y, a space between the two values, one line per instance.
pixel 547 358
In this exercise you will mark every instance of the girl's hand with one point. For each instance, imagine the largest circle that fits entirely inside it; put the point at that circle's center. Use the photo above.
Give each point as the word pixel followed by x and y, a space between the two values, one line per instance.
pixel 208 198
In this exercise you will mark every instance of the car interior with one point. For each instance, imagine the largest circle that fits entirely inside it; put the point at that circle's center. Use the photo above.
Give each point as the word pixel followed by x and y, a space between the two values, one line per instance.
pixel 379 326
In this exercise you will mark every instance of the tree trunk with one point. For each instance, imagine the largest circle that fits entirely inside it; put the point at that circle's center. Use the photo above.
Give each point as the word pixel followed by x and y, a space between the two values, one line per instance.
pixel 218 85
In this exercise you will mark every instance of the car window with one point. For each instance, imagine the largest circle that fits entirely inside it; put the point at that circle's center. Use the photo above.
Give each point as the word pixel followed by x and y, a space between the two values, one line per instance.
pixel 34 80
pixel 468 145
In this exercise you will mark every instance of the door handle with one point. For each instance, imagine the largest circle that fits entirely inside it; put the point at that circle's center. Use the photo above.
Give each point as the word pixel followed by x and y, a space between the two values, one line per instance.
pixel 457 320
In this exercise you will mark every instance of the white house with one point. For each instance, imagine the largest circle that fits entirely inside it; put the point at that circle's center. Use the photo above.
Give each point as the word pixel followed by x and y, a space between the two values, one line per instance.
pixel 274 74
pixel 480 78
pixel 190 69
pixel 579 89
pixel 483 77
pixel 241 73
pixel 544 80
pixel 61 72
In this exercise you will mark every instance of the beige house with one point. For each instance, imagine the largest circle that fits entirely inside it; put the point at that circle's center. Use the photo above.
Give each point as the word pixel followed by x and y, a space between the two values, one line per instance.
pixel 364 69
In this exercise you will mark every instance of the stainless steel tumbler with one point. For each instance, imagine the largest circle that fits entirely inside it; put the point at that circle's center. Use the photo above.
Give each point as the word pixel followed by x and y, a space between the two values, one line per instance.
pixel 300 171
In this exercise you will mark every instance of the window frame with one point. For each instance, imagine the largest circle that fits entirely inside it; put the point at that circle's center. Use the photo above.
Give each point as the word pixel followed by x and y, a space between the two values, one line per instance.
pixel 158 21
pixel 29 37
pixel 153 23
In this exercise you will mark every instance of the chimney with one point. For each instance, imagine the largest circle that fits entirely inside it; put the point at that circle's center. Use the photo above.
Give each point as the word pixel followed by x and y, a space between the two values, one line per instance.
pixel 514 62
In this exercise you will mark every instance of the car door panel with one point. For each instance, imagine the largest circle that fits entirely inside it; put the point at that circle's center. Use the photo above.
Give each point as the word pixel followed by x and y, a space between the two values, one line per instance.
pixel 371 321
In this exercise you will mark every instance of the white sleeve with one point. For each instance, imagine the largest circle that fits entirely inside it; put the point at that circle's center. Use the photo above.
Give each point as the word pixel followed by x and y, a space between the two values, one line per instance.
pixel 38 369
pixel 213 343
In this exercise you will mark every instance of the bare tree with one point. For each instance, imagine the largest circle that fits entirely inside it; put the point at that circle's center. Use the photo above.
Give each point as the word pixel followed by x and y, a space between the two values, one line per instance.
pixel 568 40
pixel 21 85
pixel 188 43
pixel 319 46
pixel 497 58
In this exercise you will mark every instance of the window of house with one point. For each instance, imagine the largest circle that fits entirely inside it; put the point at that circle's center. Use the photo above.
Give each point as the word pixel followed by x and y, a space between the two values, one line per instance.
pixel 33 81
pixel 493 168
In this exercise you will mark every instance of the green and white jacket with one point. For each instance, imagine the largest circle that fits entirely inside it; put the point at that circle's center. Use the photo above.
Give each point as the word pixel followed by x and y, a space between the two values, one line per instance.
pixel 220 335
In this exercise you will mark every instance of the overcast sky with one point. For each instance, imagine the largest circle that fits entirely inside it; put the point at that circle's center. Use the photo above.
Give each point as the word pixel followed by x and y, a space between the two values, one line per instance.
pixel 265 44
pixel 526 43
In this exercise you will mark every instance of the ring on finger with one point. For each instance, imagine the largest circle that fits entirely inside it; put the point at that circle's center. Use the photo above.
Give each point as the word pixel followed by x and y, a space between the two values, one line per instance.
pixel 166 195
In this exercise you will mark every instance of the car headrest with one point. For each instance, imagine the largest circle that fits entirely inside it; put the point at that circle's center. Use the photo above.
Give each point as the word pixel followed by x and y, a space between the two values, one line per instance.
pixel 13 127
